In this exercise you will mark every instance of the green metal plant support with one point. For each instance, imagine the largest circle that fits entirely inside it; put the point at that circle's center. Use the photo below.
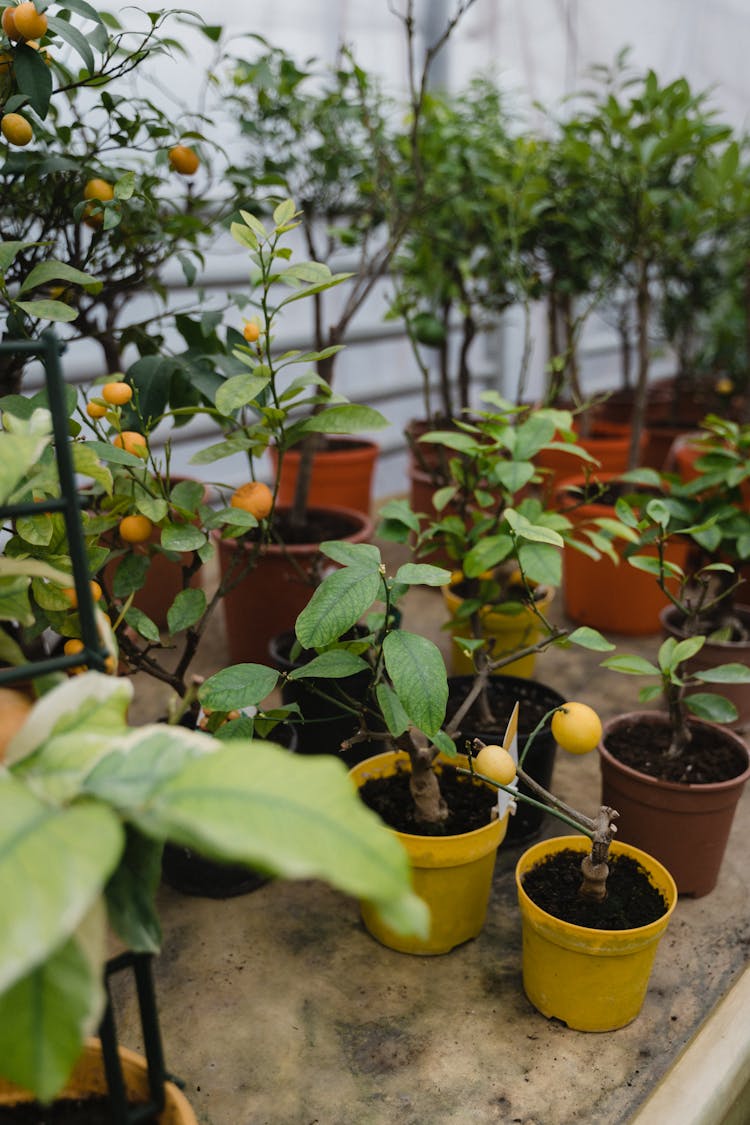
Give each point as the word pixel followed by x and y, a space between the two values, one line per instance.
pixel 48 350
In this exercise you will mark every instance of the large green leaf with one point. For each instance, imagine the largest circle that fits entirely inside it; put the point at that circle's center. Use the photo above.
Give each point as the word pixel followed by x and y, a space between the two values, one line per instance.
pixel 45 1016
pixel 292 816
pixel 20 452
pixel 417 671
pixel 332 665
pixel 541 563
pixel 422 574
pixel 337 605
pixel 240 685
pixel 131 894
pixel 240 390
pixel 187 609
pixel 66 856
pixel 47 309
pixel 182 537
pixel 33 77
pixel 345 419
pixel 714 708
pixel 53 270
pixel 725 674
pixel 631 665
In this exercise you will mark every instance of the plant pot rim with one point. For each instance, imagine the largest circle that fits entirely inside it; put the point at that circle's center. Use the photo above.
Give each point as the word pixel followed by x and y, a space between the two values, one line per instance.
pixel 671 611
pixel 674 786
pixel 357 774
pixel 363 526
pixel 582 844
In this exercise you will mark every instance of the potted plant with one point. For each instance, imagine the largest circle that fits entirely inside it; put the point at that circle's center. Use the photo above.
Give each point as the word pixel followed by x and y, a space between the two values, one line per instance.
pixel 80 830
pixel 676 777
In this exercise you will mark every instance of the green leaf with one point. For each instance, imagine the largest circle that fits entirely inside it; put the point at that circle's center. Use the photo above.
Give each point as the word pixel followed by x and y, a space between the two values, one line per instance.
pixel 284 213
pixel 444 743
pixel 487 554
pixel 237 687
pixel 684 650
pixel 417 671
pixel 130 574
pixel 14 606
pixel 646 563
pixel 142 624
pixel 48 310
pixel 422 574
pixel 240 390
pixel 590 638
pixel 45 1015
pixel 86 462
pixel 331 665
pixel 112 454
pixel 53 270
pixel 71 853
pixel 33 78
pixel 391 709
pixel 724 674
pixel 182 537
pixel 187 609
pixel 714 708
pixel 345 419
pixel 366 556
pixel 336 605
pixel 77 40
pixel 131 894
pixel 631 665
pixel 541 563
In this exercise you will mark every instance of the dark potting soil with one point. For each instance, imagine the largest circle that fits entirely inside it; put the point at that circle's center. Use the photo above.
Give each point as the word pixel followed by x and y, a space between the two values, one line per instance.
pixel 64 1111
pixel 534 701
pixel 470 804
pixel 319 526
pixel 632 899
pixel 708 758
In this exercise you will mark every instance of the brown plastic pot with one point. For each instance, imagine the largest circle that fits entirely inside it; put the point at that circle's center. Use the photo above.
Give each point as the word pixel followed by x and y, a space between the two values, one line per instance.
pixel 686 827
pixel 608 442
pixel 712 655
pixel 342 474
pixel 271 596
pixel 613 597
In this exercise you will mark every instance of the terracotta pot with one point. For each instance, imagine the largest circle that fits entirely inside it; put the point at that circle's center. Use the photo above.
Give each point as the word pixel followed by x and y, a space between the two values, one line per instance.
pixel 686 827
pixel 88 1078
pixel 271 596
pixel 609 443
pixel 593 980
pixel 612 597
pixel 452 874
pixel 712 655
pixel 534 700
pixel 342 474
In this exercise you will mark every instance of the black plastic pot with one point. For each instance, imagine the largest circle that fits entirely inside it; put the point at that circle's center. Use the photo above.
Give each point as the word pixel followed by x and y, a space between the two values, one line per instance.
pixel 535 700
pixel 192 874
pixel 324 725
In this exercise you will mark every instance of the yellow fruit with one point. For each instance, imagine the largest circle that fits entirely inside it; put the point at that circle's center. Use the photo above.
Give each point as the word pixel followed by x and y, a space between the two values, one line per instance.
pixel 98 189
pixel 16 129
pixel 14 708
pixel 724 385
pixel 184 160
pixel 251 332
pixel 73 646
pixel 132 442
pixel 29 23
pixel 95 410
pixel 496 763
pixel 577 728
pixel 9 24
pixel 117 394
pixel 254 497
pixel 72 596
pixel 135 529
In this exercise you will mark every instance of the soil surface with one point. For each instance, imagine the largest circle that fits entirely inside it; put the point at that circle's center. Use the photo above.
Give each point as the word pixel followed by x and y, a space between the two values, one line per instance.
pixel 64 1111
pixel 470 804
pixel 708 758
pixel 319 526
pixel 632 900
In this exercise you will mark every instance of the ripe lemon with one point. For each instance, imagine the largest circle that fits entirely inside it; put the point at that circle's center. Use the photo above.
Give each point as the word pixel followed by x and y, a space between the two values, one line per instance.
pixel 184 160
pixel 132 442
pixel 724 385
pixel 251 332
pixel 577 728
pixel 98 189
pixel 117 394
pixel 496 763
pixel 9 24
pixel 29 23
pixel 135 529
pixel 254 497
pixel 14 708
pixel 16 129
pixel 95 410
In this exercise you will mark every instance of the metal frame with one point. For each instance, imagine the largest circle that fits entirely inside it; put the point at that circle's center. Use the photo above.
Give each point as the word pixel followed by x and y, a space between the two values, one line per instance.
pixel 48 350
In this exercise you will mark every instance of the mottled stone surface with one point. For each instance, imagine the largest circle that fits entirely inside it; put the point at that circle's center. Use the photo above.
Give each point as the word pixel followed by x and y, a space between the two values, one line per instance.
pixel 278 1009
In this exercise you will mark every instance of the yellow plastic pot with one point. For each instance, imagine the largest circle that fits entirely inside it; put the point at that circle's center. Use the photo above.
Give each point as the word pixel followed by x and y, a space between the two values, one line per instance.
pixel 593 980
pixel 511 632
pixel 88 1078
pixel 452 874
